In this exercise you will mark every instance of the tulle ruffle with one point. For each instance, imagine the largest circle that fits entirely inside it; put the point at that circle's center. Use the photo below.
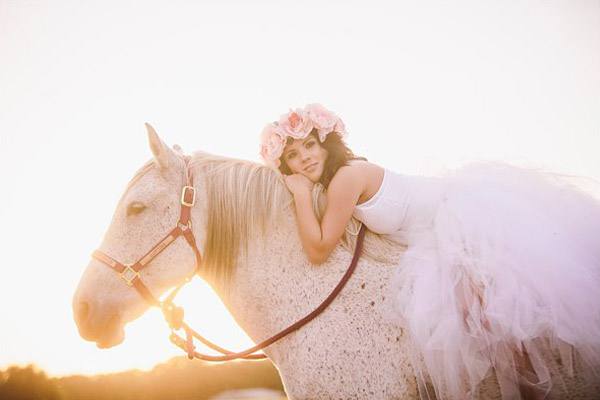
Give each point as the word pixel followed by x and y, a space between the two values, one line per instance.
pixel 504 278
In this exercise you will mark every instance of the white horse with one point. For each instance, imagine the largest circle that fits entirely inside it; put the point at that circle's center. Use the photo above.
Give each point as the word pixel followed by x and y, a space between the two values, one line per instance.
pixel 244 225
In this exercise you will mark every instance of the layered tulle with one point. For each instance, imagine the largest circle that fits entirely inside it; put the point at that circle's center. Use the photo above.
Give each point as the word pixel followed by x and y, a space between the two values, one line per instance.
pixel 504 277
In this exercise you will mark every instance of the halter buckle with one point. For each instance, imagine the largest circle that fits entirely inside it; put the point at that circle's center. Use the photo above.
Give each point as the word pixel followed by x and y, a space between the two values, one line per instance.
pixel 129 274
pixel 185 227
pixel 183 196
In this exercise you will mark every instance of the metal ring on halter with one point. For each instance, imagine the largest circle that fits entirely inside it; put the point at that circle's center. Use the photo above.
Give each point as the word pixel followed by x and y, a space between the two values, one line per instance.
pixel 129 274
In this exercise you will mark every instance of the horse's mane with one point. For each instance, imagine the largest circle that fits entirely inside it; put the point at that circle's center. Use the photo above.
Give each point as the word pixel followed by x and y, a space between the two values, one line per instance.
pixel 244 198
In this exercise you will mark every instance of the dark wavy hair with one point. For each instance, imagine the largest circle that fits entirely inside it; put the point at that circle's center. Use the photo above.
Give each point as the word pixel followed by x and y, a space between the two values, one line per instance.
pixel 338 155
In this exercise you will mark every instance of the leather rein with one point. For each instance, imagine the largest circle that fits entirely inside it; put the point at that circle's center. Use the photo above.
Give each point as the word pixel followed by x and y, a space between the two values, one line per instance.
pixel 174 315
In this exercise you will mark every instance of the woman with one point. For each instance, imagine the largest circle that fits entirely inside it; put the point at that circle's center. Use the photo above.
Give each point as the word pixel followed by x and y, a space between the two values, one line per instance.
pixel 502 265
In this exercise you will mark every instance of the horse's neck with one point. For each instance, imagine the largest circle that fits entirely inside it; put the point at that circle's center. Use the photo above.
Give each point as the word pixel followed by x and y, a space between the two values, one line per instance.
pixel 277 286
pixel 256 288
pixel 265 282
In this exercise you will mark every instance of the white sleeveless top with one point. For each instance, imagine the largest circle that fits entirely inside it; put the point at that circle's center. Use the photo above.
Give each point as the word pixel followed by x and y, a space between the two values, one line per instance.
pixel 401 203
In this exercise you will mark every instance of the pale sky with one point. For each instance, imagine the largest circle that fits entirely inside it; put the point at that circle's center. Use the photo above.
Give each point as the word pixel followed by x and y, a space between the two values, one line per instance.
pixel 420 85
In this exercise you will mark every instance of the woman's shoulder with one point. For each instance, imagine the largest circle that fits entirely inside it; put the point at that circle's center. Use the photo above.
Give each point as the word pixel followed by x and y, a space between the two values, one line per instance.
pixel 362 165
pixel 367 175
pixel 363 169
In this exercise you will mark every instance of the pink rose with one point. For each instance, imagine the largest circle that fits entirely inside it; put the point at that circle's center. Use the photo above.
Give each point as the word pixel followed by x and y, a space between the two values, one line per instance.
pixel 295 124
pixel 340 128
pixel 272 144
pixel 324 120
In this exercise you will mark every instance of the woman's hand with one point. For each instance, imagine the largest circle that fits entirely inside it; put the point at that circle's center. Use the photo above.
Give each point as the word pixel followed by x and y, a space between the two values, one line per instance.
pixel 298 183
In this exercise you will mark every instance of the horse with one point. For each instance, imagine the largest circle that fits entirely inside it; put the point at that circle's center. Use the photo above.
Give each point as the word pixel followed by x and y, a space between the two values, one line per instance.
pixel 244 224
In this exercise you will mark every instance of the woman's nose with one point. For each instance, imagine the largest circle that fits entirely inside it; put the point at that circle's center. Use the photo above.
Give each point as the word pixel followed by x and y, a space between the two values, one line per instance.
pixel 304 155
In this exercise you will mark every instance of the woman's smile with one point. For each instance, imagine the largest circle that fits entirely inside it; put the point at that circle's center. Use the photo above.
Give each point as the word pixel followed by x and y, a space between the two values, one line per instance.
pixel 311 167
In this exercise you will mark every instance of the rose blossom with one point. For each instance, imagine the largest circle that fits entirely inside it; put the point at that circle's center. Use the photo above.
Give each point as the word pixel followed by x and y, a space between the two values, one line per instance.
pixel 272 144
pixel 340 128
pixel 324 120
pixel 295 124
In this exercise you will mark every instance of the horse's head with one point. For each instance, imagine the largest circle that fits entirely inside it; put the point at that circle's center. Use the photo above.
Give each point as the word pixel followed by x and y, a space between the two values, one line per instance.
pixel 148 210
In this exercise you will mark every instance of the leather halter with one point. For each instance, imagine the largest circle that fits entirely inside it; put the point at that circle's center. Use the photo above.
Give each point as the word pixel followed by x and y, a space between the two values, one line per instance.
pixel 173 314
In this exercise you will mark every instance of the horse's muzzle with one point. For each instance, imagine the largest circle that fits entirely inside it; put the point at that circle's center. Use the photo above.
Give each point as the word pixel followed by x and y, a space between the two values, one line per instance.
pixel 102 326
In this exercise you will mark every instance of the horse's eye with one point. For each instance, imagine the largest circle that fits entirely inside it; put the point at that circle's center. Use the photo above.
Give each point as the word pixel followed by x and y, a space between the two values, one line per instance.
pixel 135 208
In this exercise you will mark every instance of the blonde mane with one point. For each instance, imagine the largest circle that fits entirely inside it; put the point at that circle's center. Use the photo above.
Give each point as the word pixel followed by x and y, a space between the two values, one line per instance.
pixel 243 199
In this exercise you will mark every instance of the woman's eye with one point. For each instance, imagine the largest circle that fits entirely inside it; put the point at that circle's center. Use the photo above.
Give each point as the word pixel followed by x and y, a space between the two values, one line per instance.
pixel 290 156
pixel 135 208
pixel 310 144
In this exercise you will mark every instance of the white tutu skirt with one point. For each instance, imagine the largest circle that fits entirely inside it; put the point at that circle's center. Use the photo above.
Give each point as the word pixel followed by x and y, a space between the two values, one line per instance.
pixel 507 269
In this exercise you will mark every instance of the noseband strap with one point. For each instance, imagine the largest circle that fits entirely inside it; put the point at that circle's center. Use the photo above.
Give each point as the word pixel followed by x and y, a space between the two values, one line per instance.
pixel 174 315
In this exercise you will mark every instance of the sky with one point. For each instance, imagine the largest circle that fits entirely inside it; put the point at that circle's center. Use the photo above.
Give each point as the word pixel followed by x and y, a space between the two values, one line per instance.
pixel 421 86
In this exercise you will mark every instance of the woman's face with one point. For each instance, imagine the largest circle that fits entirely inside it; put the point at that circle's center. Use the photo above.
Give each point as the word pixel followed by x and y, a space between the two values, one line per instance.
pixel 306 156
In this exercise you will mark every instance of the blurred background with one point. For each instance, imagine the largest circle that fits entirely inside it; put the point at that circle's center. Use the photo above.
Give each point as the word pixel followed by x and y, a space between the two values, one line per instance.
pixel 422 87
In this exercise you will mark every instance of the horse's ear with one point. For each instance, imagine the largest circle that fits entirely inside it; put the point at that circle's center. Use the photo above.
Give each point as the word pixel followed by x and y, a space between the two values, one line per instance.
pixel 159 149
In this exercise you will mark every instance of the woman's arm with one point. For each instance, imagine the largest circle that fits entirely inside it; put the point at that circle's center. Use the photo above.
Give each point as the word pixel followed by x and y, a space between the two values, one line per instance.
pixel 343 193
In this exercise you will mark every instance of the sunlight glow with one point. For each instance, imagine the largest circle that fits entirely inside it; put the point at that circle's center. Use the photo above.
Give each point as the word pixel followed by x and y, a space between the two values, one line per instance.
pixel 421 86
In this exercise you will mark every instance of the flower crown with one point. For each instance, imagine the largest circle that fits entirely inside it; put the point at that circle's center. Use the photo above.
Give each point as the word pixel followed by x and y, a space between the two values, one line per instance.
pixel 297 124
